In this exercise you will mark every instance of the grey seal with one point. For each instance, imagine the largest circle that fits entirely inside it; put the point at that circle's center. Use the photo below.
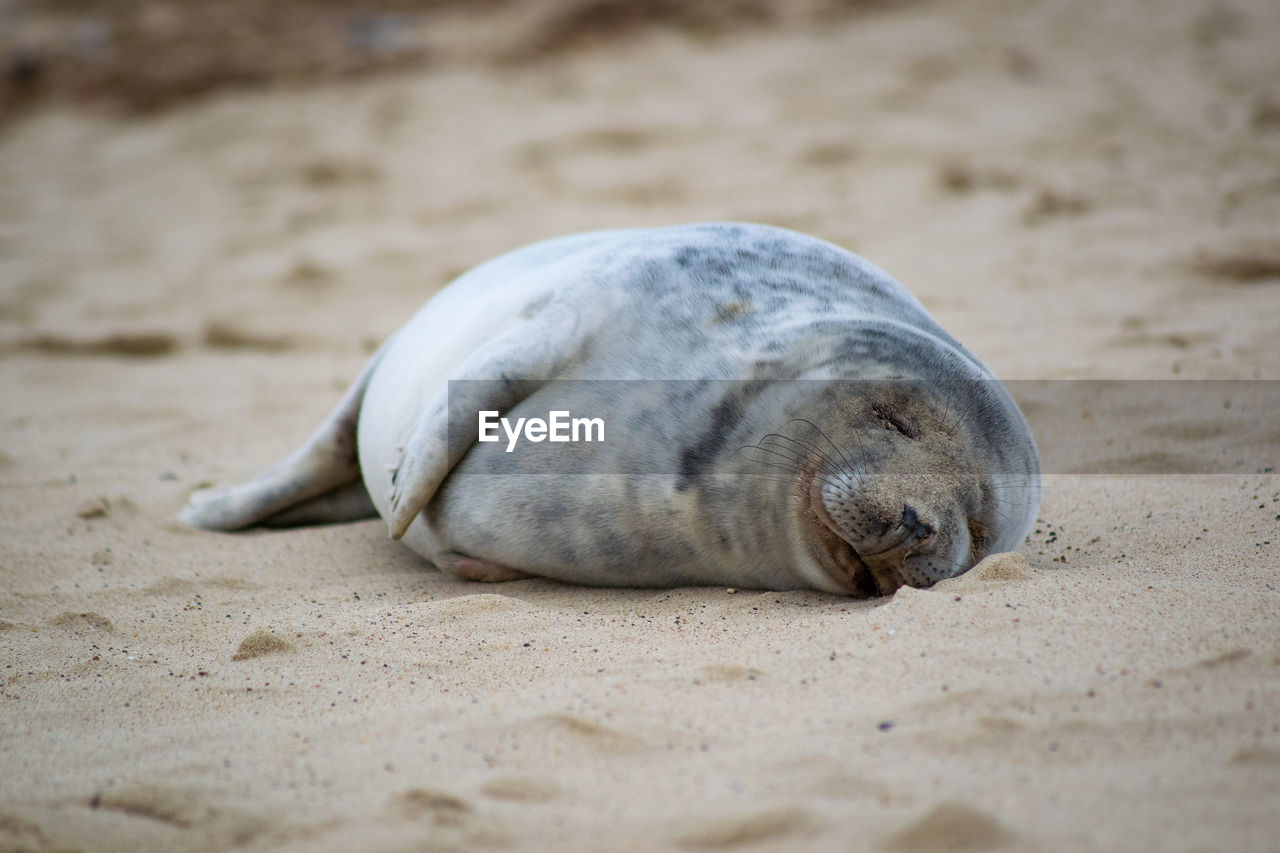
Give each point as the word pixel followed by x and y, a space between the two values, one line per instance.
pixel 779 413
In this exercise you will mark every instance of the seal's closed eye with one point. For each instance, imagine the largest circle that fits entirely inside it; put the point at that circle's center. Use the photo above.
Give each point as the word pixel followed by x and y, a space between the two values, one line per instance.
pixel 908 426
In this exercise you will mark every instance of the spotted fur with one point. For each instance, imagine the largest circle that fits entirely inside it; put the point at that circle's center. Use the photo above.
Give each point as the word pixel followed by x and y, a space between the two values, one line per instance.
pixel 791 417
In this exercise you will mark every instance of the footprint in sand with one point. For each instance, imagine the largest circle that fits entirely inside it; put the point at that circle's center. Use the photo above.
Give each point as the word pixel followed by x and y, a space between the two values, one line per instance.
pixel 951 826
pixel 1257 756
pixel 224 335
pixel 579 732
pixel 219 821
pixel 452 816
pixel 18 833
pixel 1253 265
pixel 521 789
pixel 772 825
pixel 126 344
pixel 443 808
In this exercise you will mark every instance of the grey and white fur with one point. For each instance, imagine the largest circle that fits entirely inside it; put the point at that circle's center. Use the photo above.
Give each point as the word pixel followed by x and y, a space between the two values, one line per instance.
pixel 803 423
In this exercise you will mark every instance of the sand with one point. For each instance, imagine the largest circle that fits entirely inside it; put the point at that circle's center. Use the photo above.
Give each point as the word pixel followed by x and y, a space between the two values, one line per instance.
pixel 1077 191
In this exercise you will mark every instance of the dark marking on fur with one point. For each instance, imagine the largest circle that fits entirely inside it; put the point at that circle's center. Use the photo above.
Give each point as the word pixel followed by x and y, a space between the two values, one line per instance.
pixel 724 419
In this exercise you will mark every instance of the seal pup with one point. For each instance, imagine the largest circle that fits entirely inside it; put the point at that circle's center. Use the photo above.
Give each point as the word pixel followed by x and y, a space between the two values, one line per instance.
pixel 782 414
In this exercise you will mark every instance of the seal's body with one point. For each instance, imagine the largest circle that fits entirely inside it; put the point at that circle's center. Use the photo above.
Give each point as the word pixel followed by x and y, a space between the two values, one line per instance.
pixel 780 414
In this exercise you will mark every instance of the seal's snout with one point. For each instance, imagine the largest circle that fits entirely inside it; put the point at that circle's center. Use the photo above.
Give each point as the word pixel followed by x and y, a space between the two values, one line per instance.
pixel 867 541
pixel 886 555
pixel 902 535
pixel 851 548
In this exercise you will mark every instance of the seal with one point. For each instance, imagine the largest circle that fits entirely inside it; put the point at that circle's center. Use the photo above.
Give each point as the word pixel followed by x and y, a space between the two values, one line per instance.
pixel 777 413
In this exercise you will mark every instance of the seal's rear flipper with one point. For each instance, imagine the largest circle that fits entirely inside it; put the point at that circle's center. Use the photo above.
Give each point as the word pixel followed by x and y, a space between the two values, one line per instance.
pixel 316 483
pixel 345 503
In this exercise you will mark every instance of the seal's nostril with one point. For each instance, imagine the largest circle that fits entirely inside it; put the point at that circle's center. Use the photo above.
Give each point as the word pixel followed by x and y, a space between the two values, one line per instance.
pixel 911 522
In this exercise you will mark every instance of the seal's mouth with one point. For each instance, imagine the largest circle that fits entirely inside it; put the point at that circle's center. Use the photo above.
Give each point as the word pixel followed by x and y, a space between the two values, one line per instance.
pixel 837 557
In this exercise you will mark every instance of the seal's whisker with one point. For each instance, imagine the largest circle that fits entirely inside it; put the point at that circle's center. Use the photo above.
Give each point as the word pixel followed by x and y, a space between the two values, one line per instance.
pixel 807 445
pixel 832 474
pixel 788 470
pixel 1010 504
pixel 946 415
pixel 825 437
pixel 783 472
pixel 770 447
pixel 781 449
pixel 787 481
pixel 785 442
pixel 839 485
pixel 862 454
pixel 779 454
pixel 765 478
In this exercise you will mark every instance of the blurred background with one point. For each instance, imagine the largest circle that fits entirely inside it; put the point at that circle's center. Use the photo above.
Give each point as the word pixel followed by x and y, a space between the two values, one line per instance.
pixel 1100 181
pixel 136 56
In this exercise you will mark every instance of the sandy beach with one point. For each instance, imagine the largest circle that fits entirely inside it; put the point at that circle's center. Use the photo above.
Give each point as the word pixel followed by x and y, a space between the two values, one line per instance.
pixel 1077 191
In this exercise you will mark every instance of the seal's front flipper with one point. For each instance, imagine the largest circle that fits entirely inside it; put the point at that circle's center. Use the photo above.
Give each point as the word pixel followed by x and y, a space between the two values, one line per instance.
pixel 326 463
pixel 432 449
pixel 495 378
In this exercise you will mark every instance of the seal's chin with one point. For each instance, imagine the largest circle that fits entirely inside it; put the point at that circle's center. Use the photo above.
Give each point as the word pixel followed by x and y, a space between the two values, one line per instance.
pixel 837 557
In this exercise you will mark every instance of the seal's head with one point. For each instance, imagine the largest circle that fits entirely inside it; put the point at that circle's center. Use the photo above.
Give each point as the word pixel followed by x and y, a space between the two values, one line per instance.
pixel 903 485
